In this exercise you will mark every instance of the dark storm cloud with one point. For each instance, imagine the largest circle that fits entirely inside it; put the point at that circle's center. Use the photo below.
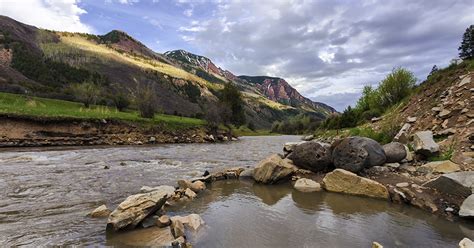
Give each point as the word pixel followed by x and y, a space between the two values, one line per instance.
pixel 330 49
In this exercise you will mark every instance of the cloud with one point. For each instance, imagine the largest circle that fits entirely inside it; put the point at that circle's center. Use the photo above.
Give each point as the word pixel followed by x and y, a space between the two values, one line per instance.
pixel 62 15
pixel 188 12
pixel 129 1
pixel 331 48
pixel 153 22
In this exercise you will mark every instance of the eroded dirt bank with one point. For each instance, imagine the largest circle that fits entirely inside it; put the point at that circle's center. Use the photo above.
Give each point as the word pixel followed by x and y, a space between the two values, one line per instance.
pixel 22 131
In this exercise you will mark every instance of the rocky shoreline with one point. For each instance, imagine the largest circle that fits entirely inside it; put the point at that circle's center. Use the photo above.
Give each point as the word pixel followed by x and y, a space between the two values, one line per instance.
pixel 355 166
pixel 30 131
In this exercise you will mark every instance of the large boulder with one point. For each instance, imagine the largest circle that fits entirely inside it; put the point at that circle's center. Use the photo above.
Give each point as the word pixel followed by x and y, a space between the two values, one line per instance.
pixel 457 183
pixel 445 166
pixel 137 207
pixel 313 156
pixel 307 185
pixel 424 143
pixel 343 181
pixel 395 152
pixel 467 207
pixel 356 153
pixel 273 169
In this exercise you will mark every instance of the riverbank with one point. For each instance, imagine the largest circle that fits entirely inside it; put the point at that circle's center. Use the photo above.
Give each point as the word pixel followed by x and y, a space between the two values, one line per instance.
pixel 27 121
pixel 26 131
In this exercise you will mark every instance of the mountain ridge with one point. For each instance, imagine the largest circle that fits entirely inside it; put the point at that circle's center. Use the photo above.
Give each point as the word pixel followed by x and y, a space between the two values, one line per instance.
pixel 184 83
pixel 289 93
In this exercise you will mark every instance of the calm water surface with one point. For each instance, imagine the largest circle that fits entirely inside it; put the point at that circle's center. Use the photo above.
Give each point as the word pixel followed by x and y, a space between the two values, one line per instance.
pixel 46 195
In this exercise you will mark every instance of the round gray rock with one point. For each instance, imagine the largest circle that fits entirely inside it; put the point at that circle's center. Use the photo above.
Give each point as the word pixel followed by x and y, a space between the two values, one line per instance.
pixel 313 156
pixel 395 152
pixel 356 153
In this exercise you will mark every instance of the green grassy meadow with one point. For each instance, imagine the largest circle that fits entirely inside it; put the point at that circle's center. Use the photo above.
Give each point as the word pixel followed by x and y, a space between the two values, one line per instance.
pixel 42 107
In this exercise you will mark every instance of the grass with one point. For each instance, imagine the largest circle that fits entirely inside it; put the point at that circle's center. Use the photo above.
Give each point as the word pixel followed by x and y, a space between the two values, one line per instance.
pixel 445 155
pixel 381 137
pixel 245 131
pixel 42 107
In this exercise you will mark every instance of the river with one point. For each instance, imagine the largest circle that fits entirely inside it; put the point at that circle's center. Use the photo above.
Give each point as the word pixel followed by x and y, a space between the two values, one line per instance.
pixel 47 193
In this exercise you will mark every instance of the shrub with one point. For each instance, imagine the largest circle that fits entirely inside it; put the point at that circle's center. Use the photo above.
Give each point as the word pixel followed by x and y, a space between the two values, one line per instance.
pixel 86 92
pixel 146 101
pixel 120 101
pixel 396 86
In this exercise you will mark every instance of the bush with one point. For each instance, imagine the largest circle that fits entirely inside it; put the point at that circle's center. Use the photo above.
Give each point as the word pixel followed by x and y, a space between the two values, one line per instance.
pixel 192 91
pixel 120 101
pixel 298 124
pixel 86 92
pixel 146 101
pixel 396 86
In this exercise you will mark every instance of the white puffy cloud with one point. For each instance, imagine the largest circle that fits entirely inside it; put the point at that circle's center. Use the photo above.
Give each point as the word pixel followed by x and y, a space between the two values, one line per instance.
pixel 63 15
pixel 331 48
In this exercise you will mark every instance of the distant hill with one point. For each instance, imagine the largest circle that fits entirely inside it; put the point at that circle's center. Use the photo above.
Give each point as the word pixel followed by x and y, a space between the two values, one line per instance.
pixel 44 63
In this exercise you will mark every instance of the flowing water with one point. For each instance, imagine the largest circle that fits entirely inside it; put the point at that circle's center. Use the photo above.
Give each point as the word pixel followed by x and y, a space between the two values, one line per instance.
pixel 46 195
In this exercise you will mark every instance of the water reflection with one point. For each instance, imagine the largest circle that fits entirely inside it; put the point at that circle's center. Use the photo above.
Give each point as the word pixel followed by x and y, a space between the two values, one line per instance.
pixel 244 214
pixel 271 195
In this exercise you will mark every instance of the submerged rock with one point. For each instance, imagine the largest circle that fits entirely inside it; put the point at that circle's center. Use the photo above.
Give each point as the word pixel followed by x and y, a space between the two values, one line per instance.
pixel 343 181
pixel 163 221
pixel 376 245
pixel 457 183
pixel 425 144
pixel 273 169
pixel 394 152
pixel 313 156
pixel 137 207
pixel 246 174
pixel 467 207
pixel 100 212
pixel 196 185
pixel 193 221
pixel 356 153
pixel 307 185
pixel 143 237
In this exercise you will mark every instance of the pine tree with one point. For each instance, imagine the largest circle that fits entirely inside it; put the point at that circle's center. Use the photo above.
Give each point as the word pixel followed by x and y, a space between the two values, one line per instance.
pixel 466 50
pixel 433 70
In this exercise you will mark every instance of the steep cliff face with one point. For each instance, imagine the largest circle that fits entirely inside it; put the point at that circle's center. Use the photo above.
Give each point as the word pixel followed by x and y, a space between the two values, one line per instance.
pixel 277 89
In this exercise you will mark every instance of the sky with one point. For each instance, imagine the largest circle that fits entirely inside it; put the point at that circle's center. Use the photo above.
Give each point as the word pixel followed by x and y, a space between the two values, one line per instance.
pixel 328 50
